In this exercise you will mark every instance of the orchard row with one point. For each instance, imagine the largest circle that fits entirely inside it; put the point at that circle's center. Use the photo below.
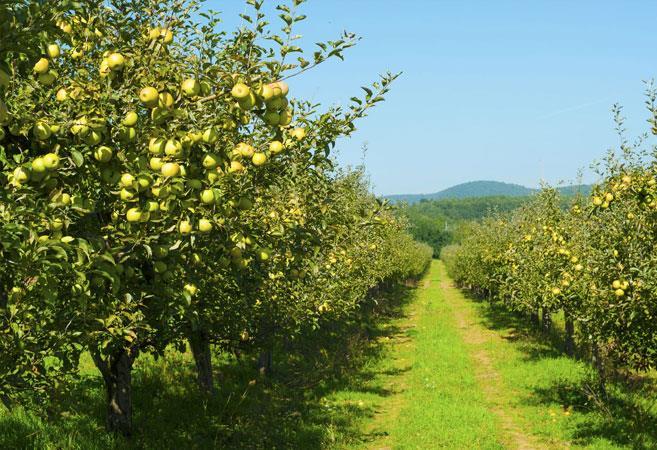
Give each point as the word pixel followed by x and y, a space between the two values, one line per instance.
pixel 162 188
pixel 594 261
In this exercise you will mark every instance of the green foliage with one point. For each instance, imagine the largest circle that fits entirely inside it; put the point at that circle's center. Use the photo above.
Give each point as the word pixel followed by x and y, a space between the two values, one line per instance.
pixel 159 183
pixel 595 260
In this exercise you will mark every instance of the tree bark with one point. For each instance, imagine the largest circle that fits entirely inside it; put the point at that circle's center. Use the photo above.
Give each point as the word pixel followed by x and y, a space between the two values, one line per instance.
pixel 199 341
pixel 266 362
pixel 599 365
pixel 6 401
pixel 546 320
pixel 116 370
pixel 570 334
pixel 533 317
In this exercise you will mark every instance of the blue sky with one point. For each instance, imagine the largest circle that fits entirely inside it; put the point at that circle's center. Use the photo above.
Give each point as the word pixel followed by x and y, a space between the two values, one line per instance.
pixel 515 91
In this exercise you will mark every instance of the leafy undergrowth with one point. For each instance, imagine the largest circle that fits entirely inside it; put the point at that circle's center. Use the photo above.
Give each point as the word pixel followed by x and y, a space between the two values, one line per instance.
pixel 303 404
pixel 556 396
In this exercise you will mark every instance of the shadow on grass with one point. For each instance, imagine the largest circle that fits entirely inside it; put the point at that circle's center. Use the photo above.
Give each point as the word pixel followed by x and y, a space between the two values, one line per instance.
pixel 287 410
pixel 517 328
pixel 627 416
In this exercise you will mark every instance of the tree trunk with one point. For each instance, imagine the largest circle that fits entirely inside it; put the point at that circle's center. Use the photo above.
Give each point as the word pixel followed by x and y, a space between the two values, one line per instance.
pixel 6 401
pixel 199 342
pixel 266 362
pixel 116 370
pixel 599 365
pixel 570 334
pixel 547 320
pixel 533 317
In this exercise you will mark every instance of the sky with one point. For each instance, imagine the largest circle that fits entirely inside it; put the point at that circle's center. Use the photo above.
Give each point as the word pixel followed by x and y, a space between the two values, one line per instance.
pixel 515 91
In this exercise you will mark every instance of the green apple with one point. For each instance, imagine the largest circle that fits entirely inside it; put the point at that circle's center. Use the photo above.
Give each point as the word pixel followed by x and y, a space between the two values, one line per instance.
pixel 143 182
pixel 165 100
pixel 126 195
pixel 159 115
pixel 133 215
pixel 264 254
pixel 249 102
pixel 53 51
pixel 266 92
pixel 47 78
pixel 156 146
pixel 207 196
pixel 130 119
pixel 127 134
pixel 240 91
pixel 156 163
pixel 167 35
pixel 298 133
pixel 5 79
pixel 190 289
pixel 285 118
pixel 236 167
pixel 21 175
pixel 80 127
pixel 191 87
pixel 204 226
pixel 170 169
pixel 51 161
pixel 212 176
pixel 116 61
pixel 211 160
pixel 56 224
pixel 185 227
pixel 173 147
pixel 149 96
pixel 245 204
pixel 152 206
pixel 61 95
pixel 160 192
pixel 103 154
pixel 41 131
pixel 282 85
pixel 271 118
pixel 41 66
pixel 211 135
pixel 259 159
pixel 93 137
pixel 276 147
pixel 127 180
pixel 38 165
pixel 104 68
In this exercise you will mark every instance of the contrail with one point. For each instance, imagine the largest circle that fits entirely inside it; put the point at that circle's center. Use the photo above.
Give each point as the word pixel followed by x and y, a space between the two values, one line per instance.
pixel 572 108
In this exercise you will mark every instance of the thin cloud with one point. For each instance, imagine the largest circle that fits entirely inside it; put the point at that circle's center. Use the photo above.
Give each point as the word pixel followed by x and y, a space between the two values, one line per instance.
pixel 572 108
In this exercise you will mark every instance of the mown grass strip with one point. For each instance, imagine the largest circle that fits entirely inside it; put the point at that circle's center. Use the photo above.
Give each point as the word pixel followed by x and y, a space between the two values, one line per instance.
pixel 440 404
pixel 551 396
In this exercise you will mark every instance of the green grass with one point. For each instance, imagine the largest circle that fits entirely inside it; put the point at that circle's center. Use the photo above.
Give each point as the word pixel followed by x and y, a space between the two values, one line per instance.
pixel 554 396
pixel 408 377
pixel 439 404
pixel 298 407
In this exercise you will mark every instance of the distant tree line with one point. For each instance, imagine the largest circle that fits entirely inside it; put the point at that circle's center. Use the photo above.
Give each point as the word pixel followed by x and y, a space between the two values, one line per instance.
pixel 442 222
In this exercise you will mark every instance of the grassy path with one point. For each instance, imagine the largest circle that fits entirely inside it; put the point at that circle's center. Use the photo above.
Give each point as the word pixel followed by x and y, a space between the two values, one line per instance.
pixel 436 401
pixel 434 370
pixel 462 374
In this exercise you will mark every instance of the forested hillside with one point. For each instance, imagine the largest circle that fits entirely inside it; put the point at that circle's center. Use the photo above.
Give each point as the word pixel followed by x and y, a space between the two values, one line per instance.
pixel 475 189
pixel 440 222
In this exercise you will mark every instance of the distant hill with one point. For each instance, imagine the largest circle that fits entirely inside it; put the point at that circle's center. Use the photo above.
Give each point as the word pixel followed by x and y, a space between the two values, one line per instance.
pixel 481 189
